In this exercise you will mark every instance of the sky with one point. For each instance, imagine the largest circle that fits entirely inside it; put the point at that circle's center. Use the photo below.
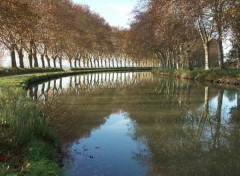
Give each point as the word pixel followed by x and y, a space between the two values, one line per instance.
pixel 116 12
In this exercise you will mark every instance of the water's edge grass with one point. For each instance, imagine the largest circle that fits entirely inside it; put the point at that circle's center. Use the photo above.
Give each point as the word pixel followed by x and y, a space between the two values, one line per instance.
pixel 219 76
pixel 22 71
pixel 28 145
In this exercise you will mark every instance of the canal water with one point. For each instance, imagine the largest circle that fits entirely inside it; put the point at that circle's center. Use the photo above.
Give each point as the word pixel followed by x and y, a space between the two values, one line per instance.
pixel 138 124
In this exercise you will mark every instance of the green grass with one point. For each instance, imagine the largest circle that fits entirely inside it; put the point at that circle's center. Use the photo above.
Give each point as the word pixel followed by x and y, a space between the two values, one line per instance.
pixel 27 142
pixel 18 71
pixel 38 159
pixel 26 136
pixel 224 76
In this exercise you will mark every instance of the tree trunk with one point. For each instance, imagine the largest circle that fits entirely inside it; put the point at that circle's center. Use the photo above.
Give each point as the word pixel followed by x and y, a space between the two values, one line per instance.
pixel 238 58
pixel 20 56
pixel 75 63
pixel 177 64
pixel 117 63
pixel 113 63
pixel 189 64
pixel 206 51
pixel 60 62
pixel 35 57
pixel 42 59
pixel 101 62
pixel 48 61
pixel 88 63
pixel 30 60
pixel 70 62
pixel 98 63
pixel 105 65
pixel 54 61
pixel 220 54
pixel 84 64
pixel 13 56
pixel 79 63
pixel 91 62
pixel 94 63
pixel 238 101
pixel 30 54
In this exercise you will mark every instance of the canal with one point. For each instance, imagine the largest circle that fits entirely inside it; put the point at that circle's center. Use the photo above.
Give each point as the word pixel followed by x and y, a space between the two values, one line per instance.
pixel 138 124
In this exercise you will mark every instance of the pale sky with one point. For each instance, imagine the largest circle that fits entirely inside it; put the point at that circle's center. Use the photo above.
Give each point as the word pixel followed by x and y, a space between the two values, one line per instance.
pixel 115 12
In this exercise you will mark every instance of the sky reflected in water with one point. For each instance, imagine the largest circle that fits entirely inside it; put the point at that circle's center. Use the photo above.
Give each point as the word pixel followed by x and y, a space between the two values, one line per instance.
pixel 108 151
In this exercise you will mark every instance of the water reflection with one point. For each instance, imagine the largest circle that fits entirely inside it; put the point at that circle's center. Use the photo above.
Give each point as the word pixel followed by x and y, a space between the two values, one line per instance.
pixel 184 128
pixel 108 151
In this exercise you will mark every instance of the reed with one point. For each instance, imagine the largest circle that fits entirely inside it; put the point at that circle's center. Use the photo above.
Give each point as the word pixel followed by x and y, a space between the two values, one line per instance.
pixel 28 146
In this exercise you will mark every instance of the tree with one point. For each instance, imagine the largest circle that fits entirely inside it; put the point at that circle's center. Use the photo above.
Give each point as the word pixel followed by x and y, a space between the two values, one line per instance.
pixel 233 16
pixel 16 20
pixel 40 28
pixel 164 30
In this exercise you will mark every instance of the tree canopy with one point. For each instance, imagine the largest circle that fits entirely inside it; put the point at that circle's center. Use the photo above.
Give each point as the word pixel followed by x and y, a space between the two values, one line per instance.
pixel 169 33
pixel 172 30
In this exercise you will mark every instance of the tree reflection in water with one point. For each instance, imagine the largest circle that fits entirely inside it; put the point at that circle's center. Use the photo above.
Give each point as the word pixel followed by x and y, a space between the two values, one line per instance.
pixel 189 128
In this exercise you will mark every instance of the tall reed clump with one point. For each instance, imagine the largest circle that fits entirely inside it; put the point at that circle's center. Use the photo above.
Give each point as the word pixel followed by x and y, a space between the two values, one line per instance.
pixel 19 117
pixel 26 139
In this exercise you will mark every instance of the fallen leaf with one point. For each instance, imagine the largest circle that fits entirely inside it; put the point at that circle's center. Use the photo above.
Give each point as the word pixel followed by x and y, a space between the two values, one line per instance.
pixel 2 158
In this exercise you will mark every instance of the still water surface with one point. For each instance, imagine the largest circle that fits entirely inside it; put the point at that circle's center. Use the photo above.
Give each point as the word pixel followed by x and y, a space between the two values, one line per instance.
pixel 133 124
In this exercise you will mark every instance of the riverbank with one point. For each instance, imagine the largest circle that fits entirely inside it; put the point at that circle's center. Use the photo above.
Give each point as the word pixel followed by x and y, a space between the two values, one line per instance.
pixel 22 71
pixel 28 145
pixel 225 76
pixel 32 79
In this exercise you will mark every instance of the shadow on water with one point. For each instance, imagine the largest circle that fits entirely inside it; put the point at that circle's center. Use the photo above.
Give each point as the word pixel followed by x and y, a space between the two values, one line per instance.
pixel 137 124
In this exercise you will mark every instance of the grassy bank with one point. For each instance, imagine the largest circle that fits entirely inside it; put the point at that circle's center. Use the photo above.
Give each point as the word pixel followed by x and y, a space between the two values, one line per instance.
pixel 225 76
pixel 28 146
pixel 21 71
pixel 114 69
